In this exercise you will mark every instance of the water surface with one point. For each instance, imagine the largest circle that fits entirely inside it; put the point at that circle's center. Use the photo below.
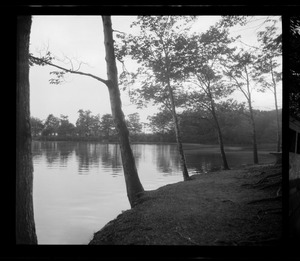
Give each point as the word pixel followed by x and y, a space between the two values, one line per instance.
pixel 79 186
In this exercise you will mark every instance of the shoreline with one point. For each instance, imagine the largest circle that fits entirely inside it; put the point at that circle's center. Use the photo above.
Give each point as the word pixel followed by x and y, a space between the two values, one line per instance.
pixel 237 207
pixel 187 146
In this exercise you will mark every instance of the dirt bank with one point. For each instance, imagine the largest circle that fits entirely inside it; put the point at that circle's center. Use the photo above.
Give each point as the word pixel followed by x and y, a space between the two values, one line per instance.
pixel 234 207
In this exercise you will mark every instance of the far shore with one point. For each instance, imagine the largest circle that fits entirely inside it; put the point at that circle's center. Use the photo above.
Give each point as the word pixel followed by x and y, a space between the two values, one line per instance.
pixel 187 146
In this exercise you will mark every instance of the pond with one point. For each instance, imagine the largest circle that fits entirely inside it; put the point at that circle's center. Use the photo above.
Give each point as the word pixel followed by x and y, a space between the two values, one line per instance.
pixel 78 187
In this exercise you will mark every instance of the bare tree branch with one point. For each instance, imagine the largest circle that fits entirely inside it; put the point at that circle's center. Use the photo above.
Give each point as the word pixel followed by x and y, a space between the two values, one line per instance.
pixel 238 84
pixel 39 60
pixel 117 31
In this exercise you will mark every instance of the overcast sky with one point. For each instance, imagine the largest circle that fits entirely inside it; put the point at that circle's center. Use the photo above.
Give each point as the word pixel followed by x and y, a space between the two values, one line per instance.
pixel 81 38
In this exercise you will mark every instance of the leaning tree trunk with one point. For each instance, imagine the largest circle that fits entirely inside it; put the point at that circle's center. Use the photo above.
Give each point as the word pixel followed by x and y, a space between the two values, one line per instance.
pixel 133 184
pixel 25 226
pixel 178 136
pixel 220 137
pixel 223 155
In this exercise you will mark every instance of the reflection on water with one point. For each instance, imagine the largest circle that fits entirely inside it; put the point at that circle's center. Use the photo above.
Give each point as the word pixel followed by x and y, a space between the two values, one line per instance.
pixel 79 186
pixel 166 159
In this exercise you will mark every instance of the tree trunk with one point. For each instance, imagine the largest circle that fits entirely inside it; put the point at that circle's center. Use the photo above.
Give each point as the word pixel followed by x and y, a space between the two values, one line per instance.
pixel 175 121
pixel 276 107
pixel 133 184
pixel 178 136
pixel 223 155
pixel 255 155
pixel 220 139
pixel 25 226
pixel 278 126
pixel 220 136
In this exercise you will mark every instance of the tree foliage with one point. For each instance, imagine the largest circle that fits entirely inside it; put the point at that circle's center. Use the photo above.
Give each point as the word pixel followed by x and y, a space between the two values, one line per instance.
pixel 267 63
pixel 197 126
pixel 87 125
pixel 294 67
pixel 51 126
pixel 65 127
pixel 156 51
pixel 134 125
pixel 269 71
pixel 161 122
pixel 232 20
pixel 203 67
pixel 241 71
pixel 36 126
pixel 107 126
pixel 204 53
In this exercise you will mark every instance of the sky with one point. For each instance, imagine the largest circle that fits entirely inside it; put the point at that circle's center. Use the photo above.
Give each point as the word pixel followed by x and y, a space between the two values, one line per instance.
pixel 80 38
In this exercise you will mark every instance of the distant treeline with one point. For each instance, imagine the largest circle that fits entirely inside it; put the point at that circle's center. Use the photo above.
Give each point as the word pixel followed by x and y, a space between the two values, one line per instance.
pixel 235 127
pixel 88 127
pixel 195 129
